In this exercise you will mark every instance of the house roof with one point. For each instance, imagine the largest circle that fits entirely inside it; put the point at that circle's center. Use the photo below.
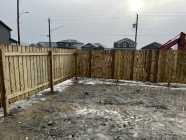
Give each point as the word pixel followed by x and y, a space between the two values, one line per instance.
pixel 153 45
pixel 13 40
pixel 69 41
pixel 93 46
pixel 46 44
pixel 4 25
pixel 125 39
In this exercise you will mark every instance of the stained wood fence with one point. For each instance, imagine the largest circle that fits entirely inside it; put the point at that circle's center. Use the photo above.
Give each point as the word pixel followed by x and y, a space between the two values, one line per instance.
pixel 25 71
pixel 140 65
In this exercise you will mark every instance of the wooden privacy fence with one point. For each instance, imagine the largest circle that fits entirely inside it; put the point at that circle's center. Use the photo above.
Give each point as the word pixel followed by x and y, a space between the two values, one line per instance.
pixel 27 70
pixel 140 65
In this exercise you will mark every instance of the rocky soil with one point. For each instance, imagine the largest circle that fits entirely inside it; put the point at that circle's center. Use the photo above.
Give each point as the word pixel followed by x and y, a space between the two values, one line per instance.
pixel 98 110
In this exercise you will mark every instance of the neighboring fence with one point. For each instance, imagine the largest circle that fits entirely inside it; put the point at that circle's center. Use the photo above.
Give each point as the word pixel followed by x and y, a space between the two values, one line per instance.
pixel 141 65
pixel 27 70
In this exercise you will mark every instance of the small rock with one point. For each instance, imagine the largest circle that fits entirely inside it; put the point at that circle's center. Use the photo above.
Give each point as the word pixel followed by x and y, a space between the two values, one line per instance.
pixel 71 136
pixel 86 93
pixel 19 107
pixel 50 123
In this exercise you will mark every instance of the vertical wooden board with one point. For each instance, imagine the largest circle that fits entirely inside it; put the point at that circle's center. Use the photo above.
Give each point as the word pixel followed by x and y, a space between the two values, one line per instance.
pixel 35 67
pixel 43 67
pixel 39 67
pixel 11 71
pixel 162 66
pixel 16 70
pixel 54 65
pixel 4 81
pixel 25 69
pixel 61 64
pixel 8 84
pixel 116 65
pixel 20 70
pixel 28 68
pixel 57 67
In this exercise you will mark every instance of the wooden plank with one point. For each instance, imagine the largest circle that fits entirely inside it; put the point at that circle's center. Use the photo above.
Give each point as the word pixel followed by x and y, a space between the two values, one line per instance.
pixel 25 69
pixel 20 64
pixel 16 71
pixel 51 71
pixel 4 80
pixel 90 64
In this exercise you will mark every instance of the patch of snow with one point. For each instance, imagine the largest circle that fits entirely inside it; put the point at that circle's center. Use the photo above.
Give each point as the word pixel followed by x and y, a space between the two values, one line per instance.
pixel 39 97
pixel 62 86
pixel 88 81
pixel 1 112
pixel 108 114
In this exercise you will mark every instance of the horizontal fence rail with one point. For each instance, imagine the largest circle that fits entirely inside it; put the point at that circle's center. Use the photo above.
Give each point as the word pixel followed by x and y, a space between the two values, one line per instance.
pixel 25 71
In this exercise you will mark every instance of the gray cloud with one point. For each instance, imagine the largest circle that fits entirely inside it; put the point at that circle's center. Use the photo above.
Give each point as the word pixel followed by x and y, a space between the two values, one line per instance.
pixel 96 20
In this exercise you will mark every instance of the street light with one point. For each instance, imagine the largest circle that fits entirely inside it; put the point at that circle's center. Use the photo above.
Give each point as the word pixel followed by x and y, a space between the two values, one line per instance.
pixel 25 12
pixel 136 6
pixel 18 22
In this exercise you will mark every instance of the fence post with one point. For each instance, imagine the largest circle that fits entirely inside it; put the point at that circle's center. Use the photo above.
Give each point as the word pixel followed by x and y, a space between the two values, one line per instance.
pixel 155 79
pixel 113 64
pixel 51 71
pixel 76 64
pixel 3 82
pixel 149 65
pixel 90 63
pixel 132 65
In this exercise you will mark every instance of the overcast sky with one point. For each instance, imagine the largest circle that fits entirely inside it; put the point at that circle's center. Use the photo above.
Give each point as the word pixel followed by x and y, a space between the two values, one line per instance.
pixel 103 21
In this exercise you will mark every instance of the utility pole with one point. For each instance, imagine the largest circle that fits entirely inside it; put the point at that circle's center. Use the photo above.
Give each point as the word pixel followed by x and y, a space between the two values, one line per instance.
pixel 49 32
pixel 136 26
pixel 18 24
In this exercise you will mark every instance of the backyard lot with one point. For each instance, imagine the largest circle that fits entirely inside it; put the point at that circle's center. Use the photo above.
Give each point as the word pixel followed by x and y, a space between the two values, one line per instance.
pixel 100 110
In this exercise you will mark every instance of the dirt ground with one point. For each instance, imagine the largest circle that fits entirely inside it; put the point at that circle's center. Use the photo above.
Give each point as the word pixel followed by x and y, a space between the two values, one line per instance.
pixel 99 110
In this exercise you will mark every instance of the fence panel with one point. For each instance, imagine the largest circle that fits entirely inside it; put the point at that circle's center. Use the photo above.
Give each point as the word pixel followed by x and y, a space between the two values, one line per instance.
pixel 83 63
pixel 181 67
pixel 28 70
pixel 101 64
pixel 167 66
pixel 124 63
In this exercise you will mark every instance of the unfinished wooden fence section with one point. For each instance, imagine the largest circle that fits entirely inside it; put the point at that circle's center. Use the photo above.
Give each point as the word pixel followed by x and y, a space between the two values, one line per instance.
pixel 28 70
pixel 25 71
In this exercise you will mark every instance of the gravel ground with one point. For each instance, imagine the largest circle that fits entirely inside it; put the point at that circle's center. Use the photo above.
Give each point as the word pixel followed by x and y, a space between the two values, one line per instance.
pixel 99 110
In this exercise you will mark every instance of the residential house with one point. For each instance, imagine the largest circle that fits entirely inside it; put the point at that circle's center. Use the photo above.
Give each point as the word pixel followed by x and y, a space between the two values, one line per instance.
pixel 125 43
pixel 46 44
pixel 93 46
pixel 69 44
pixel 152 46
pixel 5 34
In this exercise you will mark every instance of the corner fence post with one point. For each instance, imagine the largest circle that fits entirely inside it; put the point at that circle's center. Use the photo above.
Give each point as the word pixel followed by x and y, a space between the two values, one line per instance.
pixel 3 83
pixel 51 82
